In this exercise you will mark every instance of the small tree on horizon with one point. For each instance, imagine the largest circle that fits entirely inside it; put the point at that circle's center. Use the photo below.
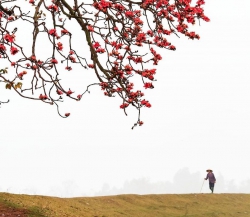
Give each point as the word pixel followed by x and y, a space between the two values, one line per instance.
pixel 123 39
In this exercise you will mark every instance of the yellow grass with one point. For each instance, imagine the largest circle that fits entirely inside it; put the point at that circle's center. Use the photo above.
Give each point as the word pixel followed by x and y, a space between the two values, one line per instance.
pixel 168 205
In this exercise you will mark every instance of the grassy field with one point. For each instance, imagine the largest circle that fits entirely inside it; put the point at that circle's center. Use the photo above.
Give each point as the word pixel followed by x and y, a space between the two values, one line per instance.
pixel 167 205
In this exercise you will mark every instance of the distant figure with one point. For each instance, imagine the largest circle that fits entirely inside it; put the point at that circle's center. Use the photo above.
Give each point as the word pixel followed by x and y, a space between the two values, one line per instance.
pixel 212 179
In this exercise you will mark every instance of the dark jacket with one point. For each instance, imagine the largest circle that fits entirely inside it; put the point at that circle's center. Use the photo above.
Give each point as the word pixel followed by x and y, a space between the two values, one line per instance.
pixel 211 177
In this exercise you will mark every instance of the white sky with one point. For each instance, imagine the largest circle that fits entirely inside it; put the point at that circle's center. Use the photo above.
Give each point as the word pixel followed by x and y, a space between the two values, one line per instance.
pixel 200 119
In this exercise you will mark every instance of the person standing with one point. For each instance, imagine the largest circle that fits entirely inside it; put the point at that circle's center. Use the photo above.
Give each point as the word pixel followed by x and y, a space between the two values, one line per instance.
pixel 211 178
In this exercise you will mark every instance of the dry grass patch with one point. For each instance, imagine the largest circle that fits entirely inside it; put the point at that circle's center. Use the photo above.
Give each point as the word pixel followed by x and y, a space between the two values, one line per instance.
pixel 168 205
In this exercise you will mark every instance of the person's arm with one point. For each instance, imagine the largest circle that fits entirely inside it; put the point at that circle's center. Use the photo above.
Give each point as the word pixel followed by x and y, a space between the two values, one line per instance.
pixel 206 177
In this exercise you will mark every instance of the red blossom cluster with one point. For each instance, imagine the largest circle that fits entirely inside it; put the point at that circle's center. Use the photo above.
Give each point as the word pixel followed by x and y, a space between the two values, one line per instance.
pixel 64 32
pixel 13 50
pixel 9 38
pixel 146 103
pixel 21 74
pixel 43 97
pixel 98 48
pixel 59 46
pixel 157 57
pixel 53 8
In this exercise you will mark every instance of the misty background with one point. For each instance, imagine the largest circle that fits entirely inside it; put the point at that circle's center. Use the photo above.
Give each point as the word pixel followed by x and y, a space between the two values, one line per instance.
pixel 184 182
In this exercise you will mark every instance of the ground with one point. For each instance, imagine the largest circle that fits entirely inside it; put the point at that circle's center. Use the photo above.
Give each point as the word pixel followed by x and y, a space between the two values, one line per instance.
pixel 12 212
pixel 157 205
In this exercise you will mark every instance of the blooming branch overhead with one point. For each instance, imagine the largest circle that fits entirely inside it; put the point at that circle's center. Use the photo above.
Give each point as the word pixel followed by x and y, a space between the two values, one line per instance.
pixel 123 39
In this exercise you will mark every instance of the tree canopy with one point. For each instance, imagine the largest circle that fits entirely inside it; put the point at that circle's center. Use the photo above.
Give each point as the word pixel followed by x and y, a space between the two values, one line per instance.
pixel 120 40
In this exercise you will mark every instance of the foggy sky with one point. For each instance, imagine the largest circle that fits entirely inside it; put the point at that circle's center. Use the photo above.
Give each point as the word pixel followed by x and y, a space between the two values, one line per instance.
pixel 200 119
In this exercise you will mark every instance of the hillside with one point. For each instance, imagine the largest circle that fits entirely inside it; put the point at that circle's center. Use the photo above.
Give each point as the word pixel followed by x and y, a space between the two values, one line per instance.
pixel 168 205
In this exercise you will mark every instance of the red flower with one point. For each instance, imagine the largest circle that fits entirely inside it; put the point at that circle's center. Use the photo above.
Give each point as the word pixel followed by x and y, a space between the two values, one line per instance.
pixel 148 85
pixel 34 67
pixel 205 18
pixel 13 50
pixel 104 85
pixel 33 58
pixel 54 61
pixel 96 45
pixel 53 8
pixel 141 123
pixel 141 37
pixel 52 32
pixel 59 92
pixel 73 59
pixel 124 105
pixel 200 2
pixel 129 14
pixel 79 96
pixel 146 103
pixel 172 47
pixel 119 7
pixel 21 74
pixel 138 60
pixel 68 68
pixel 43 97
pixel 69 92
pixel 10 18
pixel 13 64
pixel 150 33
pixel 2 47
pixel 100 50
pixel 40 62
pixel 128 68
pixel 59 46
pixel 64 32
pixel 9 38
pixel 67 114
pixel 90 28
